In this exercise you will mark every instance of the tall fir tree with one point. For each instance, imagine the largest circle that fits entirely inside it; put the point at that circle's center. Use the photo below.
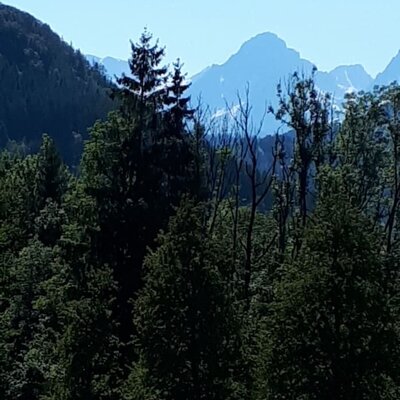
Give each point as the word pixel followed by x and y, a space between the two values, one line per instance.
pixel 146 84
pixel 173 147
pixel 135 167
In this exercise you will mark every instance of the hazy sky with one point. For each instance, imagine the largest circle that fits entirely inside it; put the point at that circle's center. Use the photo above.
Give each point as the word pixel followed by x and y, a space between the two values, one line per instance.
pixel 201 33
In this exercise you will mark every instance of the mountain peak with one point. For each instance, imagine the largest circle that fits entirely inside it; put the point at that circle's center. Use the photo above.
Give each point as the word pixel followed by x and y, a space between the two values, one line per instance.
pixel 264 41
pixel 262 62
pixel 265 37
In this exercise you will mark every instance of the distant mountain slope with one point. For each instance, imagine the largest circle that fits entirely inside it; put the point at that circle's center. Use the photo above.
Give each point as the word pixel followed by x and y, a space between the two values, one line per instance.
pixel 390 74
pixel 113 67
pixel 263 62
pixel 344 79
pixel 45 85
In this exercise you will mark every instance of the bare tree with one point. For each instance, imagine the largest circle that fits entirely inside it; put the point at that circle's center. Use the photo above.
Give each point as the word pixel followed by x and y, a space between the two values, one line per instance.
pixel 261 178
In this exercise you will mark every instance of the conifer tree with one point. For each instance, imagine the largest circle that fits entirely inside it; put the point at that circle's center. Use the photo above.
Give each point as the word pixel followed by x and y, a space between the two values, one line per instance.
pixel 135 167
pixel 145 85
pixel 29 184
pixel 178 104
pixel 173 148
pixel 52 174
pixel 124 197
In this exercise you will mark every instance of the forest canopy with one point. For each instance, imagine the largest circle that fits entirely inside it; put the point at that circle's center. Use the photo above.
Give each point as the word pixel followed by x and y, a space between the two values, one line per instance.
pixel 46 87
pixel 180 262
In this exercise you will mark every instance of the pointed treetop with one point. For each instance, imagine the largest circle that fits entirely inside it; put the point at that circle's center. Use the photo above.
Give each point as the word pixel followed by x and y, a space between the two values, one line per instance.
pixel 147 74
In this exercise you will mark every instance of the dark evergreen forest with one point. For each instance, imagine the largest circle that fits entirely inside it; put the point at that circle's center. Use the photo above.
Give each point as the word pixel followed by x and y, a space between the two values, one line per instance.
pixel 180 261
pixel 46 87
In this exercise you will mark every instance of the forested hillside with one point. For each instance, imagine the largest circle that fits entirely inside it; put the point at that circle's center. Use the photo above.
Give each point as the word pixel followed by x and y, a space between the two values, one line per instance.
pixel 46 86
pixel 189 261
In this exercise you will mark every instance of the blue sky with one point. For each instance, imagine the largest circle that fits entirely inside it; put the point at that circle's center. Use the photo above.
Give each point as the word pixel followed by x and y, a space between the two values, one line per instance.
pixel 201 33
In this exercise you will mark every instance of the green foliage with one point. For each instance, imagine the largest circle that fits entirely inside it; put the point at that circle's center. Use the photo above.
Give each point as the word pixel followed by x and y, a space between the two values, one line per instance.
pixel 136 167
pixel 145 86
pixel 47 86
pixel 84 364
pixel 173 267
pixel 23 370
pixel 28 185
pixel 186 326
pixel 331 331
pixel 362 150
